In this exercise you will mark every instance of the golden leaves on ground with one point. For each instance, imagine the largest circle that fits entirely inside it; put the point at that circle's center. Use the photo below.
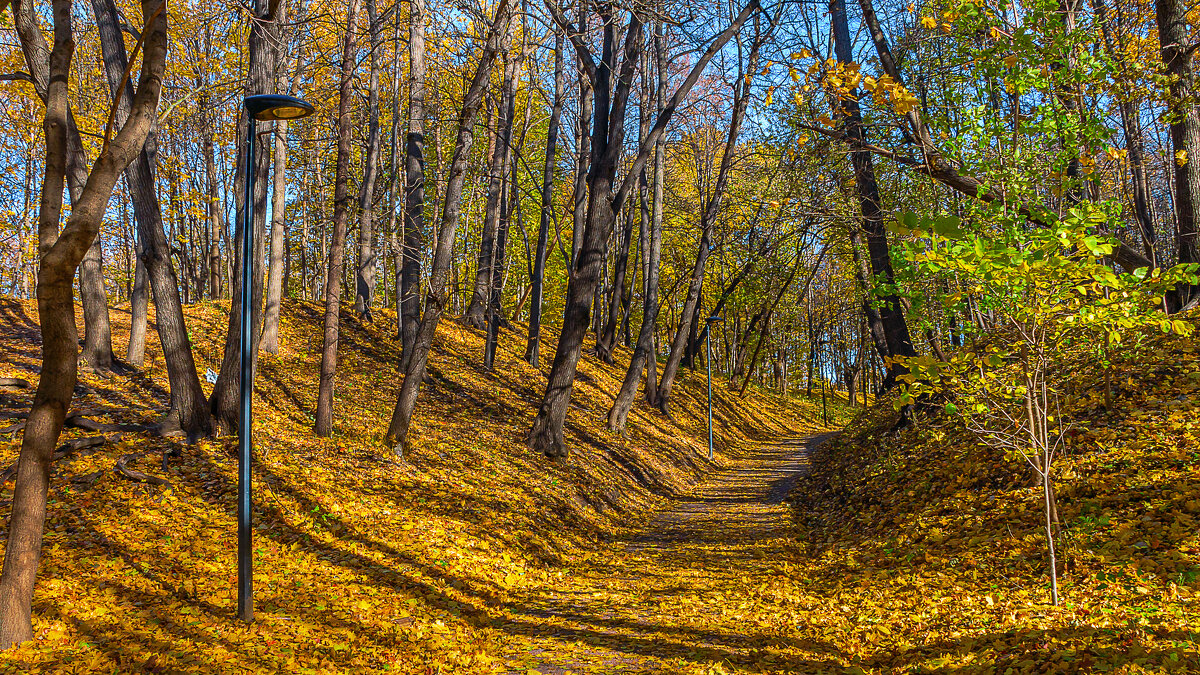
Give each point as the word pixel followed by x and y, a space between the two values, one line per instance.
pixel 364 562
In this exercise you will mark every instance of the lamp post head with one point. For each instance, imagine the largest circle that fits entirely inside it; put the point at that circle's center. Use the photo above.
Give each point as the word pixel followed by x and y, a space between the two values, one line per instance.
pixel 713 319
pixel 270 107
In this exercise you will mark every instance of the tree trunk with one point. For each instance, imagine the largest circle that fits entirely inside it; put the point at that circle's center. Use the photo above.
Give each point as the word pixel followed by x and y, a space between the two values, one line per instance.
pixel 337 247
pixel 274 297
pixel 533 346
pixel 1175 37
pixel 60 253
pixel 476 314
pixel 187 412
pixel 708 220
pixel 224 401
pixel 436 299
pixel 97 350
pixel 643 351
pixel 139 300
pixel 367 260
pixel 889 319
pixel 414 184
pixel 546 435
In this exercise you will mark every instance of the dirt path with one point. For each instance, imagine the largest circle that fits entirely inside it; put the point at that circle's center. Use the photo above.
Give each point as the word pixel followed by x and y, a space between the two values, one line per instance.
pixel 688 595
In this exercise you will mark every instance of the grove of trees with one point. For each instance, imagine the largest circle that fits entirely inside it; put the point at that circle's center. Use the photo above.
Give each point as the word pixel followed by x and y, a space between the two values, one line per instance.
pixel 595 176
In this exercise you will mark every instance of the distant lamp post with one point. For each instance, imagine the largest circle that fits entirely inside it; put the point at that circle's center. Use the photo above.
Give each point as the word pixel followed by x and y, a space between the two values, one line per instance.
pixel 708 362
pixel 268 108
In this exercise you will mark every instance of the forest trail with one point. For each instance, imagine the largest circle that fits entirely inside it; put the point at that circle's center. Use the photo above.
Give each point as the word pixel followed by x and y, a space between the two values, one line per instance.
pixel 679 597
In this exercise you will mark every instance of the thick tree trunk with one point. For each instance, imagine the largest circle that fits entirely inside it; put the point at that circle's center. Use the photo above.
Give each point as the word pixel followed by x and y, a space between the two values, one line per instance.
pixel 188 411
pixel 224 401
pixel 435 301
pixel 60 253
pixel 1175 37
pixel 337 247
pixel 889 319
pixel 537 282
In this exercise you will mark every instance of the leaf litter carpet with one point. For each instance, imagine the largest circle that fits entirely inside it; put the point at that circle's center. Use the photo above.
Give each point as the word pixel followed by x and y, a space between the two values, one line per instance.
pixel 688 594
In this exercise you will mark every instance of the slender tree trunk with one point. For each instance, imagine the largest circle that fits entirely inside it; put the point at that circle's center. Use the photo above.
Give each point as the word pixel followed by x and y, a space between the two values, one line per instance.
pixel 436 299
pixel 414 184
pixel 643 351
pixel 337 247
pixel 688 320
pixel 274 298
pixel 537 282
pixel 476 314
pixel 367 259
pixel 139 299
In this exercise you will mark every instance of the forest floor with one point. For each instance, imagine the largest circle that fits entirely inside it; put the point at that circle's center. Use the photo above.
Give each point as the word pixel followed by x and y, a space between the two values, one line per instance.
pixel 684 593
pixel 918 550
pixel 364 562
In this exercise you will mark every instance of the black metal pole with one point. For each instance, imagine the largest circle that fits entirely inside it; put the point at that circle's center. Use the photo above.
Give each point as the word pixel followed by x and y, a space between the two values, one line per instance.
pixel 708 362
pixel 245 535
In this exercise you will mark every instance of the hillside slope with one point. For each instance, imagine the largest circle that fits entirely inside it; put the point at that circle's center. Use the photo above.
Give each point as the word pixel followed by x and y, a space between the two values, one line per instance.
pixel 927 549
pixel 363 562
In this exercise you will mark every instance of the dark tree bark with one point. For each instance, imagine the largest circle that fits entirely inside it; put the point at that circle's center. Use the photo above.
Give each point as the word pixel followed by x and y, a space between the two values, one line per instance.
pixel 341 213
pixel 367 259
pixel 188 411
pixel 583 150
pixel 537 280
pixel 889 319
pixel 643 351
pixel 224 400
pixel 546 435
pixel 60 253
pixel 414 181
pixel 1175 37
pixel 436 299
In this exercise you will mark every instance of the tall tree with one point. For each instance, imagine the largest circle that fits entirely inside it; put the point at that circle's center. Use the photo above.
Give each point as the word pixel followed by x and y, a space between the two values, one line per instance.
pixel 537 278
pixel 1176 40
pixel 224 400
pixel 364 283
pixel 436 299
pixel 409 288
pixel 868 237
pixel 188 411
pixel 643 359
pixel 337 246
pixel 489 249
pixel 546 434
pixel 59 255
pixel 708 219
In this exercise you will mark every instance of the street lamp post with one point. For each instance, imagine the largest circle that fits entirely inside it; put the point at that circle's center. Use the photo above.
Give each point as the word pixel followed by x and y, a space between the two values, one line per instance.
pixel 268 107
pixel 708 362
